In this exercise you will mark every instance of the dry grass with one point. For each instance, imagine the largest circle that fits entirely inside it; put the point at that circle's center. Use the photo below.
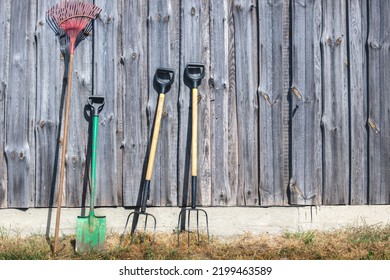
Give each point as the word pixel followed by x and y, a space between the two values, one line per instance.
pixel 347 244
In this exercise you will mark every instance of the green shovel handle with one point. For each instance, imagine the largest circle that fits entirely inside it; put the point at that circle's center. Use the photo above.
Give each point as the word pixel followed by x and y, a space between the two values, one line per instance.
pixel 97 104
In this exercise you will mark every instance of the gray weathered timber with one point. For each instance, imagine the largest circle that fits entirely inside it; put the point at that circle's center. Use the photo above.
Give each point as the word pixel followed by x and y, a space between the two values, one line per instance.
pixel 357 26
pixel 4 54
pixel 164 44
pixel 222 192
pixel 20 104
pixel 105 80
pixel 306 100
pixel 379 101
pixel 194 48
pixel 294 107
pixel 244 13
pixel 50 75
pixel 335 106
pixel 232 111
pixel 272 95
pixel 135 87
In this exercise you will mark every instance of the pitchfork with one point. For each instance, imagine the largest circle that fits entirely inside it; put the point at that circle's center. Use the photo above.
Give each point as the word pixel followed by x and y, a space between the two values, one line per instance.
pixel 162 82
pixel 193 75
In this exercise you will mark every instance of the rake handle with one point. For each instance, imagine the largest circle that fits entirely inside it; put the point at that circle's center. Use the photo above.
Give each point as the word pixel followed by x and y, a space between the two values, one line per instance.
pixel 63 155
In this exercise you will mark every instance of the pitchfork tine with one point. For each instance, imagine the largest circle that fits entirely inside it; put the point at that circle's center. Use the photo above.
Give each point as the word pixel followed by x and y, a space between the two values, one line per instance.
pixel 136 214
pixel 133 232
pixel 188 211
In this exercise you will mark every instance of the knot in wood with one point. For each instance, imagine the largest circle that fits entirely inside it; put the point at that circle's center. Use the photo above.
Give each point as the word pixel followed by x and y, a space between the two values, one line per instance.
pixel 296 92
pixel 339 40
pixel 50 123
pixel 211 83
pixel 374 46
pixel 193 11
pixel 134 55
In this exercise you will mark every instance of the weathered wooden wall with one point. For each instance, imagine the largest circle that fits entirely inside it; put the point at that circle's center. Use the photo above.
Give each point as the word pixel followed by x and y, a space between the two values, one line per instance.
pixel 293 110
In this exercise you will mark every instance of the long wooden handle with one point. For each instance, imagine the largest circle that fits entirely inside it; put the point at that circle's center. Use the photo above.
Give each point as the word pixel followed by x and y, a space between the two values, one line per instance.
pixel 194 139
pixel 63 155
pixel 156 130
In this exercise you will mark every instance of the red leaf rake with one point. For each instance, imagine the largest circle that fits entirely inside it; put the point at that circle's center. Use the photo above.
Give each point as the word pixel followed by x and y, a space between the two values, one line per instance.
pixel 73 19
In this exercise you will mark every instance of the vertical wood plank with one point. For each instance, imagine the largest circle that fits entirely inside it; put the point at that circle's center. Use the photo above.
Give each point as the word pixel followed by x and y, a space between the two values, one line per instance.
pixel 194 48
pixel 76 178
pixel 306 104
pixel 273 105
pixel 335 117
pixel 379 101
pixel 105 82
pixel 357 31
pixel 135 79
pixel 20 105
pixel 163 51
pixel 4 54
pixel 223 194
pixel 245 20
pixel 50 72
pixel 233 162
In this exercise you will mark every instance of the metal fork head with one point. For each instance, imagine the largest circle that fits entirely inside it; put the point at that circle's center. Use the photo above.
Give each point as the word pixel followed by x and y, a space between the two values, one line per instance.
pixel 182 216
pixel 147 225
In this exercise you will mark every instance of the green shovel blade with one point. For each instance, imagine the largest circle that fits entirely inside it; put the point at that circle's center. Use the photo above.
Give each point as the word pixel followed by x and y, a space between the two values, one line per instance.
pixel 91 233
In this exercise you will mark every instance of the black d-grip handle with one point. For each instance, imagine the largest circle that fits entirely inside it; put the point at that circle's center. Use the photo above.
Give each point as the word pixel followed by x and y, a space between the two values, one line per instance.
pixel 97 103
pixel 193 74
pixel 163 79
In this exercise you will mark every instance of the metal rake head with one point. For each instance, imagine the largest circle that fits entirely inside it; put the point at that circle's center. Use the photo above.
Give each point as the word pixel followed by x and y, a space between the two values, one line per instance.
pixel 182 217
pixel 74 18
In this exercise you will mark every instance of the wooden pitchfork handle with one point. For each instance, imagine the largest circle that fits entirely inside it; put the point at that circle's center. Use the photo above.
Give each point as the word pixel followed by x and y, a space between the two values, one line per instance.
pixel 63 155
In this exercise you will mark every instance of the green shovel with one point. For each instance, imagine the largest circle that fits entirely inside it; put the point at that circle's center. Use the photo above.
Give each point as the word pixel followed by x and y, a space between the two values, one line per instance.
pixel 91 230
